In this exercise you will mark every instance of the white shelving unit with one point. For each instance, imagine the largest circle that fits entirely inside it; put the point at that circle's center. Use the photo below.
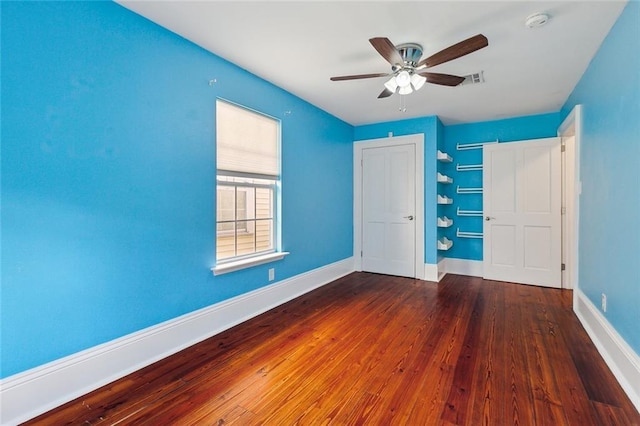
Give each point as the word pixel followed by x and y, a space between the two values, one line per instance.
pixel 461 212
pixel 468 167
pixel 443 199
pixel 444 178
pixel 464 234
pixel 478 145
pixel 469 179
pixel 444 222
pixel 444 157
pixel 444 243
pixel 461 190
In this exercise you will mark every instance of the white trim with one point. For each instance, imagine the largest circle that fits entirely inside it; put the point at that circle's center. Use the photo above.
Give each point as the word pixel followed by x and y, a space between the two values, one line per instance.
pixel 358 147
pixel 431 272
pixel 572 126
pixel 237 265
pixel 442 268
pixel 472 268
pixel 33 392
pixel 621 359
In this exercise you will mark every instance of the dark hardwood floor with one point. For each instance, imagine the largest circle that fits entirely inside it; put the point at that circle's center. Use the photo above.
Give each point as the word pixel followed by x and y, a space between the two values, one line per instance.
pixel 379 350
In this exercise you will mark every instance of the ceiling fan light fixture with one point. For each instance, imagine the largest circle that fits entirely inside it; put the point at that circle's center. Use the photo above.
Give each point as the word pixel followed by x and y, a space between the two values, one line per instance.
pixel 391 85
pixel 407 70
pixel 403 79
pixel 405 90
pixel 417 81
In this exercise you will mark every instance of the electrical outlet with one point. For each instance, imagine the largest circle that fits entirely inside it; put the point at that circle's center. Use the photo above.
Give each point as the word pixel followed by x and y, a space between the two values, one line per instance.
pixel 603 302
pixel 272 274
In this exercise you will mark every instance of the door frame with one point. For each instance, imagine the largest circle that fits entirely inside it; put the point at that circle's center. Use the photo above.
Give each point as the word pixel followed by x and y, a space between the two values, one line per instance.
pixel 358 146
pixel 571 127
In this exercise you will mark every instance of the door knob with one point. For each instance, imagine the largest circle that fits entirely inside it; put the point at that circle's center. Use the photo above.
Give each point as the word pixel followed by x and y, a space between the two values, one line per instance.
pixel 488 218
pixel 409 217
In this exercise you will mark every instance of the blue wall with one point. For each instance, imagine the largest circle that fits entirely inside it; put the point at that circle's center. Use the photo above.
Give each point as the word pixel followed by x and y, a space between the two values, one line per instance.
pixel 609 247
pixel 507 130
pixel 429 126
pixel 108 178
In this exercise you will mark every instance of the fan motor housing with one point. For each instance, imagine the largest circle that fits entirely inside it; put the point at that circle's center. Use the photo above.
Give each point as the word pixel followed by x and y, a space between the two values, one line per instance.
pixel 410 52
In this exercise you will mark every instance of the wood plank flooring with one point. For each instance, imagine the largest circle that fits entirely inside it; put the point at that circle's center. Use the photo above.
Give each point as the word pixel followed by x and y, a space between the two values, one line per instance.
pixel 378 350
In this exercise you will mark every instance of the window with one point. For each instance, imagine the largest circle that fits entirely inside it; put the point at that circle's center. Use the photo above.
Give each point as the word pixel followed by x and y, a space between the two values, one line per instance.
pixel 248 174
pixel 245 219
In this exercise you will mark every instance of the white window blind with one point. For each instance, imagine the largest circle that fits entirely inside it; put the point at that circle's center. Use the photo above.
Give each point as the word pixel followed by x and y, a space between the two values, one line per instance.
pixel 246 142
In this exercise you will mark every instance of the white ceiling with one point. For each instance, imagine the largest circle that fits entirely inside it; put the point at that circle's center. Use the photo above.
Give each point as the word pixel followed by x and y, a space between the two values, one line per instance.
pixel 298 45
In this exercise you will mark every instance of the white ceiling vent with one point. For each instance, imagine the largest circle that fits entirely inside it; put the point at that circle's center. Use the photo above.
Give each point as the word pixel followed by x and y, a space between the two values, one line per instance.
pixel 475 78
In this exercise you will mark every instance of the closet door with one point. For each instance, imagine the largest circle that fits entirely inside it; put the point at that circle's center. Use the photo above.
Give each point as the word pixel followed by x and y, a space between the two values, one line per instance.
pixel 388 210
pixel 522 212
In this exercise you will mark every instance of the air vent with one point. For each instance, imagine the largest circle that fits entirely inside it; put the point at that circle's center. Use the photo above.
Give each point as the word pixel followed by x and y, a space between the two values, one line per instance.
pixel 475 78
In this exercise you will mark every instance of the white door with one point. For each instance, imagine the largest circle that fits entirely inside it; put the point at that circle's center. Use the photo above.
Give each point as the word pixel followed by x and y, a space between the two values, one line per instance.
pixel 522 217
pixel 388 210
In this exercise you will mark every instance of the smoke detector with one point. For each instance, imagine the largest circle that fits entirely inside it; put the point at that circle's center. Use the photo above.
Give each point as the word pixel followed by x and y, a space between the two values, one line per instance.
pixel 537 20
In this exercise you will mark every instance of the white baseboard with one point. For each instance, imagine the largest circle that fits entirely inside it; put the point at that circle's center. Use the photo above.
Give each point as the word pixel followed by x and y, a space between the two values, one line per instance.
pixel 472 268
pixel 621 359
pixel 431 272
pixel 33 392
pixel 442 268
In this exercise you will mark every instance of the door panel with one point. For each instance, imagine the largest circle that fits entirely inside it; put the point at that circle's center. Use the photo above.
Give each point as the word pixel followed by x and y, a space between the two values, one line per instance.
pixel 503 254
pixel 388 200
pixel 503 179
pixel 522 201
pixel 536 241
pixel 537 180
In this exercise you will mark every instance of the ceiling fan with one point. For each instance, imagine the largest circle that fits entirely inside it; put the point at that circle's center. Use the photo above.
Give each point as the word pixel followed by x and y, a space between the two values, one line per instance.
pixel 408 72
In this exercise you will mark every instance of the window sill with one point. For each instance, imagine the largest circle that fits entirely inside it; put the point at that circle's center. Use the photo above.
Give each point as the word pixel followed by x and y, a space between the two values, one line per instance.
pixel 224 268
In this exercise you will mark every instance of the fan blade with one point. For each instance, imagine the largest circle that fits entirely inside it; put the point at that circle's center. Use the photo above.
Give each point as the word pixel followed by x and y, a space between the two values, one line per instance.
pixel 442 79
pixel 355 77
pixel 385 93
pixel 465 47
pixel 387 50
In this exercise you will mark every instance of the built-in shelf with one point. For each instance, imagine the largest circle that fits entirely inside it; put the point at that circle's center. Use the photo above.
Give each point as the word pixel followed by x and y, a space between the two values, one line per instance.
pixel 444 244
pixel 443 199
pixel 444 157
pixel 478 145
pixel 464 234
pixel 468 167
pixel 444 222
pixel 463 190
pixel 444 178
pixel 466 191
pixel 461 212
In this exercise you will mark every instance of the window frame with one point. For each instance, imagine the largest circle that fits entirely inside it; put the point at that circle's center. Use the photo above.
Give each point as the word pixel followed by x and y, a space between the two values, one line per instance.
pixel 272 217
pixel 274 253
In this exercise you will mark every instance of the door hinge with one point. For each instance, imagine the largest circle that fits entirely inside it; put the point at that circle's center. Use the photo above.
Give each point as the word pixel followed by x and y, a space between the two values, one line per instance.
pixel 563 267
pixel 563 210
pixel 360 253
pixel 563 147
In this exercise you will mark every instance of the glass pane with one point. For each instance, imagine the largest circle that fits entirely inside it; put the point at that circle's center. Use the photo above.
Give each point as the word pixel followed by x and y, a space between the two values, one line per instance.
pixel 264 203
pixel 225 241
pixel 246 203
pixel 246 243
pixel 264 232
pixel 245 221
pixel 225 203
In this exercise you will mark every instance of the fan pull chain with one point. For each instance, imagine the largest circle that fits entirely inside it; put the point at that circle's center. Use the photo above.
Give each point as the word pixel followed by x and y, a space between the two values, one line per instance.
pixel 403 106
